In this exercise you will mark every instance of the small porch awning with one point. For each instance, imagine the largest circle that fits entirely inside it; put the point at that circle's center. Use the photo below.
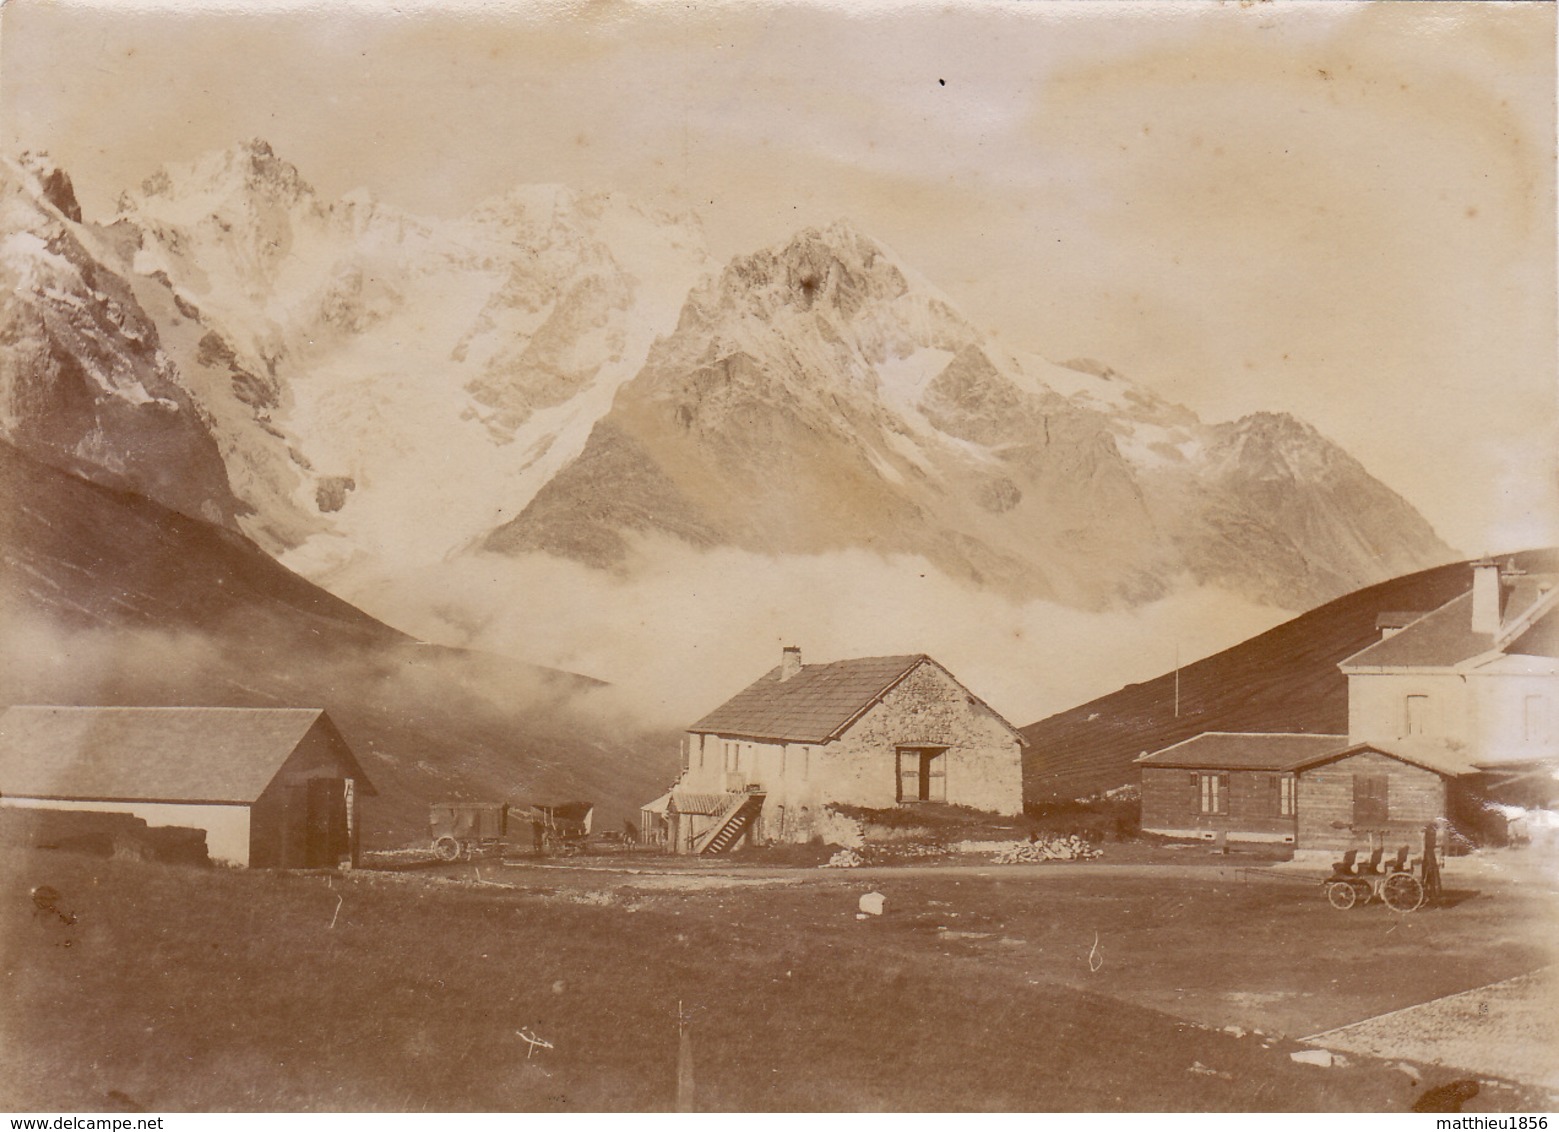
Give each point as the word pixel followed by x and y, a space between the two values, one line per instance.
pixel 658 806
pixel 684 802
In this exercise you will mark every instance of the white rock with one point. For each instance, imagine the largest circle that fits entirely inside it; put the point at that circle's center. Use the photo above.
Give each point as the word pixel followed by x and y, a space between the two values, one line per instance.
pixel 1320 1057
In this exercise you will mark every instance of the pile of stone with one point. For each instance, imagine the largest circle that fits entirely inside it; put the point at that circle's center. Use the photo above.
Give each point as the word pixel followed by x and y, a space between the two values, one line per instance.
pixel 1072 848
pixel 844 859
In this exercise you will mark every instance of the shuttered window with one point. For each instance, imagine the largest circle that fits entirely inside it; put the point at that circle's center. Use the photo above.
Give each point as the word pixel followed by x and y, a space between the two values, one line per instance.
pixel 1370 804
pixel 1535 719
pixel 922 774
pixel 1417 715
pixel 1213 793
pixel 1286 796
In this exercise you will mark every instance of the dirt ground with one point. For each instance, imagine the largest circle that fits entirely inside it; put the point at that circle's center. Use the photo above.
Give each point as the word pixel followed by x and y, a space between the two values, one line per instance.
pixel 1089 986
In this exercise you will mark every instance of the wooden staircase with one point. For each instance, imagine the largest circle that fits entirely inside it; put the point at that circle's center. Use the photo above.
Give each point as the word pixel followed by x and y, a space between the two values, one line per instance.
pixel 732 822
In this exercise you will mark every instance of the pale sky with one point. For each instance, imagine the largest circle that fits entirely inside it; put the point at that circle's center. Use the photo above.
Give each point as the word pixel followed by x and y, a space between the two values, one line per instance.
pixel 1343 211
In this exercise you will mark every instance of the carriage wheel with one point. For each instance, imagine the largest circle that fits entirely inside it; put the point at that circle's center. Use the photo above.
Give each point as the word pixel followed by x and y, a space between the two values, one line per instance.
pixel 1403 892
pixel 1340 894
pixel 446 849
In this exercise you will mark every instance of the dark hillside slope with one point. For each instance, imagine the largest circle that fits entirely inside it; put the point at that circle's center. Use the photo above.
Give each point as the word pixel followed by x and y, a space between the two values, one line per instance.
pixel 107 598
pixel 1284 680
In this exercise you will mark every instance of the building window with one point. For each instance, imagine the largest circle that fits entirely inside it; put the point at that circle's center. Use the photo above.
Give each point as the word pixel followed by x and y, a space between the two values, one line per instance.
pixel 1370 804
pixel 687 751
pixel 1286 796
pixel 922 774
pixel 1214 790
pixel 733 756
pixel 806 763
pixel 1534 719
pixel 1417 716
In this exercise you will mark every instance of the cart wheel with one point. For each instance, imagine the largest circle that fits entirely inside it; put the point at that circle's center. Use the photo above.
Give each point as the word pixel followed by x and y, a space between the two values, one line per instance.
pixel 1402 892
pixel 1340 894
pixel 446 849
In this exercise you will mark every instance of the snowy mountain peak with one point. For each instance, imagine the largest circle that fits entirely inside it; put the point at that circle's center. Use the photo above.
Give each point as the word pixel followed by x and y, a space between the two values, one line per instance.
pixel 49 182
pixel 251 168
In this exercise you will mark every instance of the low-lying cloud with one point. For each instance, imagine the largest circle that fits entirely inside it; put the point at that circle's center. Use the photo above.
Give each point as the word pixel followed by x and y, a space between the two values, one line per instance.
pixel 680 629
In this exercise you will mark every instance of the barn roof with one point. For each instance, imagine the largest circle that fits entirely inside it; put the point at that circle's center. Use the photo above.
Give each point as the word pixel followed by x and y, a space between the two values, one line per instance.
pixel 1444 638
pixel 1231 750
pixel 1280 752
pixel 167 754
pixel 817 703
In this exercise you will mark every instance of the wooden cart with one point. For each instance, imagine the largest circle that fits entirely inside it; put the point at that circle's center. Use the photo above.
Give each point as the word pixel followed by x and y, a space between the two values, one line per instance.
pixel 465 830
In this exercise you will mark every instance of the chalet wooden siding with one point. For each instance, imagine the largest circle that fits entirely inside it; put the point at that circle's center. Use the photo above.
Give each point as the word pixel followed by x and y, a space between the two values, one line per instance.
pixel 1248 804
pixel 1343 803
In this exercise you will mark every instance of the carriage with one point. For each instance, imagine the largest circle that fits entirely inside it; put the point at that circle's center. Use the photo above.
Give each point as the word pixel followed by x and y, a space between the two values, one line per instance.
pixel 1393 883
pixel 467 830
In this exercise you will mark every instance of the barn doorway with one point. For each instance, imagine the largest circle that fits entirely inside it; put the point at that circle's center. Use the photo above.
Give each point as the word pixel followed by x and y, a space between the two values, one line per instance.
pixel 922 774
pixel 327 831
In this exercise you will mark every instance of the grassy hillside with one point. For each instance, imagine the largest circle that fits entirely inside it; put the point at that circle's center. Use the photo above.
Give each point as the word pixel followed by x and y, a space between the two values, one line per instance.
pixel 174 989
pixel 106 598
pixel 1284 680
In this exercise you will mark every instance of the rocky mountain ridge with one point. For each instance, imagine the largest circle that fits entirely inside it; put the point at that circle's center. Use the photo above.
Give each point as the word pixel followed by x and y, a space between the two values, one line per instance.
pixel 365 392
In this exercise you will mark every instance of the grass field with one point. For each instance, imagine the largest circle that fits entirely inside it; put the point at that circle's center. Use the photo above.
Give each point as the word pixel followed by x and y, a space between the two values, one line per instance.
pixel 177 989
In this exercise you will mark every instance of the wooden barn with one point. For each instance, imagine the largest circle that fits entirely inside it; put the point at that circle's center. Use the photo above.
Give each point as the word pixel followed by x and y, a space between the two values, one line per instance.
pixel 1308 791
pixel 876 732
pixel 273 787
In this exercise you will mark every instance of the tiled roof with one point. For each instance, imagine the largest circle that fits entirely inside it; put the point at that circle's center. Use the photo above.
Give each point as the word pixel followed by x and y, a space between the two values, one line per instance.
pixel 813 705
pixel 1230 750
pixel 173 754
pixel 1445 638
pixel 1437 755
pixel 1226 750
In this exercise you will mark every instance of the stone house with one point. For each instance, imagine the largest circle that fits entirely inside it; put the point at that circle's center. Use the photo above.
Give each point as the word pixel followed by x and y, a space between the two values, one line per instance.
pixel 875 732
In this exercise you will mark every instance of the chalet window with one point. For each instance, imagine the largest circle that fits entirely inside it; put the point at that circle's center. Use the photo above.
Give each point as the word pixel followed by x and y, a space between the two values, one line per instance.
pixel 1417 716
pixel 922 774
pixel 806 762
pixel 1214 792
pixel 1286 795
pixel 1534 719
pixel 733 756
pixel 1370 806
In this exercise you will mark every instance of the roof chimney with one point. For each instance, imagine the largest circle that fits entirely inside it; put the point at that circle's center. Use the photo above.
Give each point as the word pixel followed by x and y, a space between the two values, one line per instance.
pixel 1486 596
pixel 790 662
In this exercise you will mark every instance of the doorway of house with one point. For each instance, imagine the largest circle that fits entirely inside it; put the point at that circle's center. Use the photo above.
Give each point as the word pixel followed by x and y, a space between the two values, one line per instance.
pixel 922 774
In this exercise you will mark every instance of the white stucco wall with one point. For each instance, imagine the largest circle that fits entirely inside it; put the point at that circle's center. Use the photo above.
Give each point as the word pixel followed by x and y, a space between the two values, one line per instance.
pixel 226 826
pixel 1486 709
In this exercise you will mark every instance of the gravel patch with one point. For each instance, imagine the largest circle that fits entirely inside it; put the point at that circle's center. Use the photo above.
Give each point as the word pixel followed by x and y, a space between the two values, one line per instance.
pixel 1507 1029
